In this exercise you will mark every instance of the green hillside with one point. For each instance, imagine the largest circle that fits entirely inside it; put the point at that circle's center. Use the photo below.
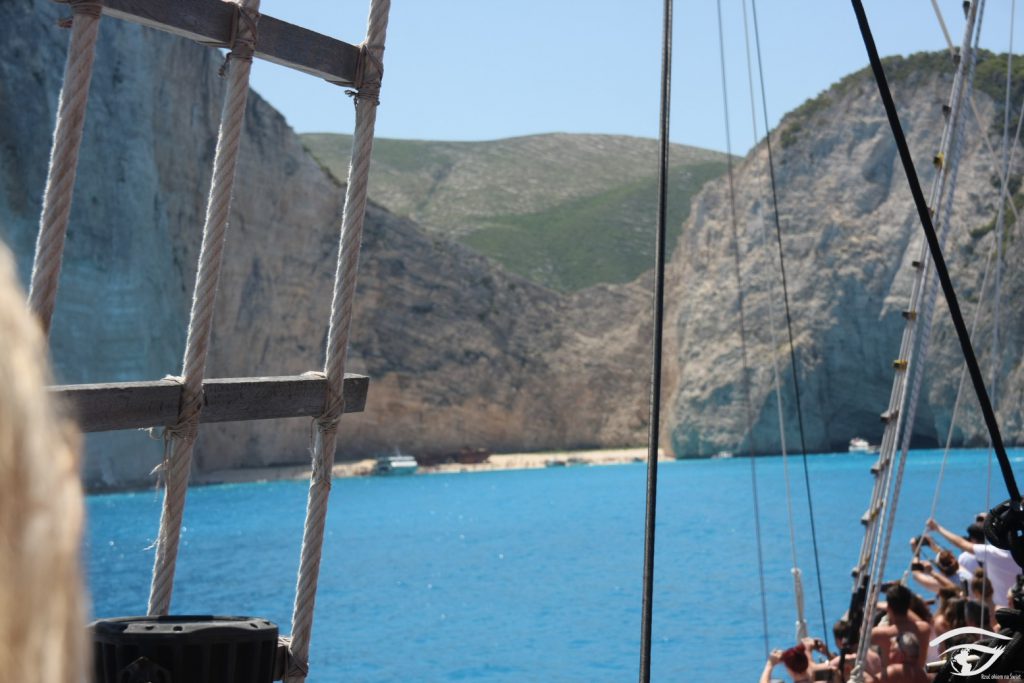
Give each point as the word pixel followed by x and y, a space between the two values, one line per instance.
pixel 566 211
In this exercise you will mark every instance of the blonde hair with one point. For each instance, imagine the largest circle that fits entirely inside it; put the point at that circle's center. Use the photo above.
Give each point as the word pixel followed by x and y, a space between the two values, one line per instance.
pixel 42 604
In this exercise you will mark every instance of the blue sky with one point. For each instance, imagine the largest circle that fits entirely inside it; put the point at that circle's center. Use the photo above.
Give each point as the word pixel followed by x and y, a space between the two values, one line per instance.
pixel 487 69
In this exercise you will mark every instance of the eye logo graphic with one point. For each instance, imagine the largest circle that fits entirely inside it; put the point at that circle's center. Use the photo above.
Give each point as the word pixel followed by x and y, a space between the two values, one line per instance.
pixel 969 659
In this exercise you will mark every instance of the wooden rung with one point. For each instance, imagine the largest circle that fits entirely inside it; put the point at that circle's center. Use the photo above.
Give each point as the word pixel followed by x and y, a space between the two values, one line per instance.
pixel 210 21
pixel 137 405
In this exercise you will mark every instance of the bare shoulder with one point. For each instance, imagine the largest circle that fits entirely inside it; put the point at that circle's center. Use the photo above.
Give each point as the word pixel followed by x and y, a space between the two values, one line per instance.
pixel 894 673
pixel 884 630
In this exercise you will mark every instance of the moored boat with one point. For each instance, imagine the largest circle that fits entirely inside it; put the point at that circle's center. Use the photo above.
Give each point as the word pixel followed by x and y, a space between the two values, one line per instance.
pixel 859 445
pixel 396 464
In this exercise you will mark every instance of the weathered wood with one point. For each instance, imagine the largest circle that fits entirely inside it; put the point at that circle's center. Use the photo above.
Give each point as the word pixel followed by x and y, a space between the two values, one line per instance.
pixel 136 405
pixel 210 22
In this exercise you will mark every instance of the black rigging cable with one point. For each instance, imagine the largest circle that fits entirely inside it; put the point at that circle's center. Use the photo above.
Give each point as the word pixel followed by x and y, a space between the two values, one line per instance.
pixel 743 331
pixel 659 300
pixel 789 323
pixel 936 252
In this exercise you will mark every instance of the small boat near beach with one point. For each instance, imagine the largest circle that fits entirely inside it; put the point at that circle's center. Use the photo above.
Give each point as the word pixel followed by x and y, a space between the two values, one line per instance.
pixel 397 464
pixel 859 445
pixel 722 455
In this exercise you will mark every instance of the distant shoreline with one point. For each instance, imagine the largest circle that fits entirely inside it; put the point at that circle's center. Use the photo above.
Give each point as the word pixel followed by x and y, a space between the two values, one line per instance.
pixel 497 461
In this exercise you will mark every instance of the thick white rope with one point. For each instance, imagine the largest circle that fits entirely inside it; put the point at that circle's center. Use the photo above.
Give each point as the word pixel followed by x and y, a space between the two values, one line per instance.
pixel 917 365
pixel 60 180
pixel 181 437
pixel 366 101
pixel 942 25
pixel 883 517
pixel 927 314
pixel 798 593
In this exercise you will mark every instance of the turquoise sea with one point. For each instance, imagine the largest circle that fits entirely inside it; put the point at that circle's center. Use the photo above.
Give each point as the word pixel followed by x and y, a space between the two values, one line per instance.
pixel 529 575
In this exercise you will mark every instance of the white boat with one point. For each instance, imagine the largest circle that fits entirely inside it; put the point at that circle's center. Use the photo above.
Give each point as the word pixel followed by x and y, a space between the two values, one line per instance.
pixel 859 445
pixel 722 455
pixel 396 464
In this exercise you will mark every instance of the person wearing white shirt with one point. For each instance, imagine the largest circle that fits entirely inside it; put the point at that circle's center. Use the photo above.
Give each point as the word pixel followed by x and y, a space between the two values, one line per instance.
pixel 999 565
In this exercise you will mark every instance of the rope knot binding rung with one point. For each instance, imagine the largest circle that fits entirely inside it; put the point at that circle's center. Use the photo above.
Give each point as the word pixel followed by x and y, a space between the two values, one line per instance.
pixel 244 33
pixel 286 664
pixel 370 74
pixel 89 8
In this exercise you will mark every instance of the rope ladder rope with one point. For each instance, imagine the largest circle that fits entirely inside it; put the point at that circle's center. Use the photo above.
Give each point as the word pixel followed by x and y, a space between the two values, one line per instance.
pixel 180 439
pixel 366 97
pixel 60 179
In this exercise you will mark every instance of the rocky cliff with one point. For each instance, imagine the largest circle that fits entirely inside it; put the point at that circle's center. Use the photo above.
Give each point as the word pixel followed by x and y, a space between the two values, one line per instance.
pixel 460 353
pixel 850 233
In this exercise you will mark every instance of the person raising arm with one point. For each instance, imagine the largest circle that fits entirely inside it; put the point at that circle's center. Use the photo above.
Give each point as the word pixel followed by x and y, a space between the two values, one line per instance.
pixel 795 660
pixel 999 565
pixel 958 541
pixel 769 666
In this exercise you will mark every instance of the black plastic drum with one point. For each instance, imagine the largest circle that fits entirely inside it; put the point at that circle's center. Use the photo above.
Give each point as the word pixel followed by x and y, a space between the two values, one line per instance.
pixel 184 649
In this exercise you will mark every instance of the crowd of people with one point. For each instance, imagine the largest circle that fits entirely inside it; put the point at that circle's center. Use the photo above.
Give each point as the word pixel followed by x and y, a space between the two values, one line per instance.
pixel 961 582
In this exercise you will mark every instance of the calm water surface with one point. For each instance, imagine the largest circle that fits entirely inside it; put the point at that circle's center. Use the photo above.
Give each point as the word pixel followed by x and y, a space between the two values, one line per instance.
pixel 528 575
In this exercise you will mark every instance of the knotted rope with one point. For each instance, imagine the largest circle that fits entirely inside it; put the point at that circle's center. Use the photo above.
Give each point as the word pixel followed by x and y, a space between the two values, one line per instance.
pixel 60 180
pixel 181 436
pixel 366 100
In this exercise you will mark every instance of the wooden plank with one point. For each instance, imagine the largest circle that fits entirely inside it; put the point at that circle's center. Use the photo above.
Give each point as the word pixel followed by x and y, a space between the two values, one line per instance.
pixel 137 405
pixel 210 21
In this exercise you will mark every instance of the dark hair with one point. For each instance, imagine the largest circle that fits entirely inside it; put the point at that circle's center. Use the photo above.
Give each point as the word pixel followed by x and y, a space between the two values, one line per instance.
pixel 972 613
pixel 842 632
pixel 920 608
pixel 795 659
pixel 947 563
pixel 945 595
pixel 898 598
pixel 981 585
pixel 976 533
pixel 955 612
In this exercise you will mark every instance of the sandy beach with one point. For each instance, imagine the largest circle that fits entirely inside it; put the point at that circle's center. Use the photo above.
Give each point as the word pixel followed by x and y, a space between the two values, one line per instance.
pixel 497 461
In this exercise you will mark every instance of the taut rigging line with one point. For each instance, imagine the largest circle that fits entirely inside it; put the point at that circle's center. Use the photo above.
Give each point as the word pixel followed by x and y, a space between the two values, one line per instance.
pixel 647 608
pixel 745 380
pixel 789 323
